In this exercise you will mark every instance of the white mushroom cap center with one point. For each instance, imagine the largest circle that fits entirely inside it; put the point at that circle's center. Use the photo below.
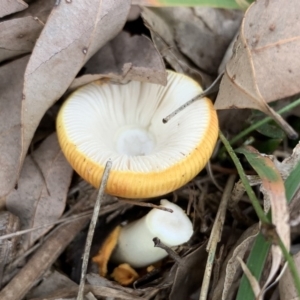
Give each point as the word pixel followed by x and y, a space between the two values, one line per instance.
pixel 134 141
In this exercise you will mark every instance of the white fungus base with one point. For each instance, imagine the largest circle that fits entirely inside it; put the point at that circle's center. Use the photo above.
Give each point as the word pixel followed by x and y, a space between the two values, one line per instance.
pixel 124 123
pixel 135 245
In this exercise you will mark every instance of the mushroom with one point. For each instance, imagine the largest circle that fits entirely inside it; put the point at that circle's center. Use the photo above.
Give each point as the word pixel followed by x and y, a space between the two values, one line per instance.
pixel 135 242
pixel 123 122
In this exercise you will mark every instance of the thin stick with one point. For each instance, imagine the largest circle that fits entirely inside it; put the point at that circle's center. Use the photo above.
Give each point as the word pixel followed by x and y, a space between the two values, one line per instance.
pixel 212 88
pixel 91 231
pixel 215 237
pixel 64 220
pixel 171 252
pixel 145 204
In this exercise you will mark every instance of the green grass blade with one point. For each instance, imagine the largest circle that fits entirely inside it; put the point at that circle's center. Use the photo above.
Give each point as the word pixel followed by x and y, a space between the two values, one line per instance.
pixel 292 183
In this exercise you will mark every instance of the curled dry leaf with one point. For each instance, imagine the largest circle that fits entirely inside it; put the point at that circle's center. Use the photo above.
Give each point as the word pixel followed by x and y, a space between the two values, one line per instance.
pixel 73 33
pixel 252 280
pixel 231 268
pixel 11 83
pixel 8 7
pixel 288 164
pixel 18 36
pixel 287 288
pixel 263 67
pixel 42 189
pixel 274 193
pixel 125 58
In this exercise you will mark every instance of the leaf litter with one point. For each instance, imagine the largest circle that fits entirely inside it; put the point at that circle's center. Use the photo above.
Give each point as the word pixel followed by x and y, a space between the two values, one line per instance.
pixel 47 52
pixel 269 32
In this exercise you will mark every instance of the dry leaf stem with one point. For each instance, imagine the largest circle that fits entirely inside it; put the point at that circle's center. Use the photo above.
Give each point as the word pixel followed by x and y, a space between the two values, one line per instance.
pixel 91 231
pixel 215 237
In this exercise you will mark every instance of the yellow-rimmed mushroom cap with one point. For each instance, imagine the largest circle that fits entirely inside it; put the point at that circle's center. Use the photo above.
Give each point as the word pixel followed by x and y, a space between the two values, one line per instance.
pixel 123 123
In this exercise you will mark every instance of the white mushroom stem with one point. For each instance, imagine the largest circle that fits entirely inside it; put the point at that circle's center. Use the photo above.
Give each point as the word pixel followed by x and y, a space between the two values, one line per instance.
pixel 135 244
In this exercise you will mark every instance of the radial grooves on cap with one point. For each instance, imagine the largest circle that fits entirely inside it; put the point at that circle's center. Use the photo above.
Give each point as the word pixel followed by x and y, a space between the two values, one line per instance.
pixel 143 185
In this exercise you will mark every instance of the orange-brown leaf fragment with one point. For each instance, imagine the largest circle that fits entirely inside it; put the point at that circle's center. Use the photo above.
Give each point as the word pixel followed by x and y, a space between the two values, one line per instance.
pixel 124 274
pixel 103 256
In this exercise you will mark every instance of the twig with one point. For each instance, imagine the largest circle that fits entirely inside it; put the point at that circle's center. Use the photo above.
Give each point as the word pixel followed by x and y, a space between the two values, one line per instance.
pixel 172 253
pixel 91 231
pixel 145 204
pixel 17 288
pixel 211 89
pixel 64 220
pixel 215 237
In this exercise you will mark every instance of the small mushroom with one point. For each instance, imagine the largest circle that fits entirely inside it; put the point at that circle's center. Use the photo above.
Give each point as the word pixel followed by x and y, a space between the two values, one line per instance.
pixel 102 121
pixel 135 242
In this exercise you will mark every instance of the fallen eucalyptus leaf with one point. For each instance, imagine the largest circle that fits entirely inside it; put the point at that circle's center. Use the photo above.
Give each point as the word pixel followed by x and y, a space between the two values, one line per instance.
pixel 42 189
pixel 8 7
pixel 125 58
pixel 263 67
pixel 11 83
pixel 18 36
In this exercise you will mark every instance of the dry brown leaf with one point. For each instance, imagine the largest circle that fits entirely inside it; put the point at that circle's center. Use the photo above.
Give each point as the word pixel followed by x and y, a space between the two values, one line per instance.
pixel 96 280
pixel 202 35
pixel 125 58
pixel 163 37
pixel 287 288
pixel 42 189
pixel 101 292
pixel 263 67
pixel 18 36
pixel 73 33
pixel 38 9
pixel 8 7
pixel 189 274
pixel 11 83
pixel 231 270
pixel 52 281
